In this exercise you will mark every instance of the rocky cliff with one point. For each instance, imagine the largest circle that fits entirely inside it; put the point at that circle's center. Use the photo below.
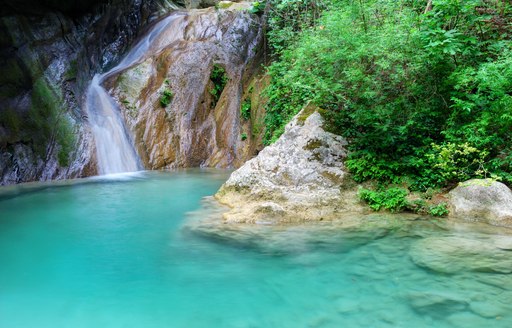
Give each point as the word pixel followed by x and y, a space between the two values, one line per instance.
pixel 49 50
pixel 182 101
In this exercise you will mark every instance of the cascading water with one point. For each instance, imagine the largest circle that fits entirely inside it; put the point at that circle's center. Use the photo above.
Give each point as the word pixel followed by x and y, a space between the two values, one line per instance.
pixel 114 148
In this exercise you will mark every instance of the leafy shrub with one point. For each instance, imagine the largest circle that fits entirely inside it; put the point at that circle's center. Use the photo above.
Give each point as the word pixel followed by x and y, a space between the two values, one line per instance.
pixel 257 8
pixel 243 136
pixel 395 80
pixel 287 19
pixel 166 98
pixel 219 78
pixel 392 199
pixel 458 162
pixel 438 210
pixel 245 110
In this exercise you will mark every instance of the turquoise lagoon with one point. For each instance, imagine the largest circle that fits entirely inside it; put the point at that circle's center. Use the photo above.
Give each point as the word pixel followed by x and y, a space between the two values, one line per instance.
pixel 116 252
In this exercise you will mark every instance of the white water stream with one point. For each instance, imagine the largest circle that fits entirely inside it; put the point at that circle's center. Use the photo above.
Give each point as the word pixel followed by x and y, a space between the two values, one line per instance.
pixel 114 147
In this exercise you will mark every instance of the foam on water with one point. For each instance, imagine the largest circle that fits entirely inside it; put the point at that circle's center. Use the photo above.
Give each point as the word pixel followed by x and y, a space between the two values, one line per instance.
pixel 109 254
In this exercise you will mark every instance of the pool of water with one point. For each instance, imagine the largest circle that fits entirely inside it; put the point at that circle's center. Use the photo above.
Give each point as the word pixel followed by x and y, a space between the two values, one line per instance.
pixel 113 252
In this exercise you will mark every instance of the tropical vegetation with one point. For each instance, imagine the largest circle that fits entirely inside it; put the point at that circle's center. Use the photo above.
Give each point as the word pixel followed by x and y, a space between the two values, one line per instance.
pixel 421 89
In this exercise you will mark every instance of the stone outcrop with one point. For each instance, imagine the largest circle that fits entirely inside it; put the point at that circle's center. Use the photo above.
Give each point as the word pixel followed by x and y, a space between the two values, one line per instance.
pixel 199 121
pixel 49 51
pixel 299 178
pixel 482 200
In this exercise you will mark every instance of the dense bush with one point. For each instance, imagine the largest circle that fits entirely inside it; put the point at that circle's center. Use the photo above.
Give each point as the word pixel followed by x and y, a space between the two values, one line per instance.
pixel 219 78
pixel 392 199
pixel 422 94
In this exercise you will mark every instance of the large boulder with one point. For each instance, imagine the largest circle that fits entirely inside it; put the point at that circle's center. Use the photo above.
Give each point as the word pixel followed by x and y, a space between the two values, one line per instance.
pixel 483 200
pixel 299 178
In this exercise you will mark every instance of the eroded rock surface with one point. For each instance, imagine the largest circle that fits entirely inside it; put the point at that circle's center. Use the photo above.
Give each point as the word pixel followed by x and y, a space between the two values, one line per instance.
pixel 49 50
pixel 299 178
pixel 483 200
pixel 199 123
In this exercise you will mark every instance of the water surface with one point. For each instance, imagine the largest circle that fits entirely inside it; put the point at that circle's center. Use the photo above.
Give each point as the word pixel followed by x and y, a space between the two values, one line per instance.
pixel 114 253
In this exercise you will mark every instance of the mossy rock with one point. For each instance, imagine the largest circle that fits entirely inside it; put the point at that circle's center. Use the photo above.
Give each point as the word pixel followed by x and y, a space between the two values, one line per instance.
pixel 308 110
pixel 225 4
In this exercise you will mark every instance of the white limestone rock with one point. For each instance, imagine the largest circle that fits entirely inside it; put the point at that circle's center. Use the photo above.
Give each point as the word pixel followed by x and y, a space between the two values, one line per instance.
pixel 302 174
pixel 483 200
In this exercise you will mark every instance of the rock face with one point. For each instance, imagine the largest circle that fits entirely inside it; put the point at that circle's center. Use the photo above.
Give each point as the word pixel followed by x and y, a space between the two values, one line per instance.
pixel 483 200
pixel 182 101
pixel 49 51
pixel 299 178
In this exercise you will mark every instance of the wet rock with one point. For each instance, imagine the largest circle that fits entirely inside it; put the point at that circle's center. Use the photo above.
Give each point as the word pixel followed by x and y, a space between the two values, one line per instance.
pixel 179 113
pixel 459 254
pixel 503 282
pixel 437 304
pixel 469 319
pixel 303 173
pixel 483 200
pixel 49 52
pixel 488 309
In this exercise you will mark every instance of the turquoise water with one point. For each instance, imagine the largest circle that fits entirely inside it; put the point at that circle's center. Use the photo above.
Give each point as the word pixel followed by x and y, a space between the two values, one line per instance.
pixel 114 253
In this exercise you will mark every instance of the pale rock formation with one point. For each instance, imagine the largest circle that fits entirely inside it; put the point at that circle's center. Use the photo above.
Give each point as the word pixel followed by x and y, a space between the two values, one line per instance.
pixel 483 200
pixel 299 178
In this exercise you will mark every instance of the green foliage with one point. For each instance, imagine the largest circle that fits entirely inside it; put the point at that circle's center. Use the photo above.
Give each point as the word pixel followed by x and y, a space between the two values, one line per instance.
pixel 11 121
pixel 257 8
pixel 392 199
pixel 438 210
pixel 72 70
pixel 288 18
pixel 219 78
pixel 243 136
pixel 245 109
pixel 395 200
pixel 46 125
pixel 166 98
pixel 457 162
pixel 423 97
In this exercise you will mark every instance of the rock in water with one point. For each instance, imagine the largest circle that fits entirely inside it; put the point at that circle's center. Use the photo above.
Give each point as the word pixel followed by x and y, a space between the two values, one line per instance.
pixel 458 254
pixel 299 178
pixel 483 200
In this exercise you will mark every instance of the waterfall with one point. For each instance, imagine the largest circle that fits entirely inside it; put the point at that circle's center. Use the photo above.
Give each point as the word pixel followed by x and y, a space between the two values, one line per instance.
pixel 114 148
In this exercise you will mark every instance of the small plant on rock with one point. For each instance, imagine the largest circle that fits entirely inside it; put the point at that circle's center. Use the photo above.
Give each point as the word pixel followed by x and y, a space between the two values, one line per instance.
pixel 166 98
pixel 392 199
pixel 438 210
pixel 245 110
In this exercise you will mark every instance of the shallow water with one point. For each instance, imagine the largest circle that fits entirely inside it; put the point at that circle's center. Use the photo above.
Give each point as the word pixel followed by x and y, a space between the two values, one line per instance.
pixel 113 253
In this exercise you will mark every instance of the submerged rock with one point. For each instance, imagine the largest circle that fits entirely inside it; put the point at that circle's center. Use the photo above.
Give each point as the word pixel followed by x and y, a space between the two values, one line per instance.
pixel 483 200
pixel 344 234
pixel 458 254
pixel 437 304
pixel 299 178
